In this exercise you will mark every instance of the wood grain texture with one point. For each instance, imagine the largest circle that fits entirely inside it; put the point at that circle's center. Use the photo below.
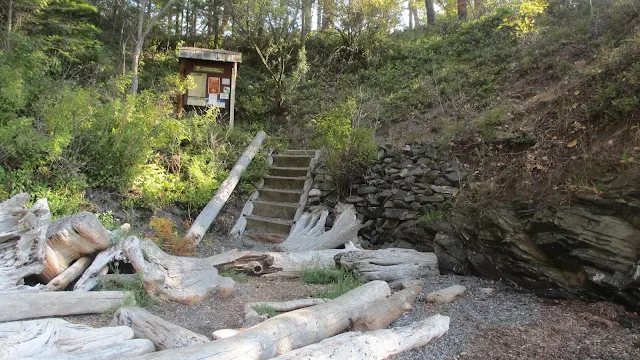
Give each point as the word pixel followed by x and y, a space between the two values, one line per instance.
pixel 285 332
pixel 58 303
pixel 163 334
pixel 373 345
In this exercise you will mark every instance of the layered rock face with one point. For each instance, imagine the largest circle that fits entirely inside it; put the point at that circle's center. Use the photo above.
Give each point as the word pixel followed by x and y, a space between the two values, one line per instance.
pixel 589 248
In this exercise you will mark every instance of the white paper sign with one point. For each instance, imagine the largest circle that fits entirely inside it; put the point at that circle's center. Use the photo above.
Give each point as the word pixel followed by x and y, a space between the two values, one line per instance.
pixel 213 98
pixel 226 81
pixel 224 96
pixel 220 104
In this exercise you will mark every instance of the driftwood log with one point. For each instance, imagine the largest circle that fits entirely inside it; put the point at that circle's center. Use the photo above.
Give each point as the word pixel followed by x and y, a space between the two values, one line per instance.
pixel 22 242
pixel 183 279
pixel 285 332
pixel 381 313
pixel 58 303
pixel 391 265
pixel 46 337
pixel 373 345
pixel 100 265
pixel 163 334
pixel 70 238
pixel 308 234
pixel 277 264
pixel 119 351
pixel 65 278
pixel 211 210
pixel 251 316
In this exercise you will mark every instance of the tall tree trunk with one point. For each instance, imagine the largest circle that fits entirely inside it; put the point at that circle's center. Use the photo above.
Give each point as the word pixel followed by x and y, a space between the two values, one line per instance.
pixel 318 14
pixel 306 20
pixel 141 34
pixel 224 23
pixel 178 30
pixel 410 14
pixel 413 11
pixel 137 49
pixel 328 9
pixel 462 10
pixel 480 9
pixel 431 13
pixel 9 23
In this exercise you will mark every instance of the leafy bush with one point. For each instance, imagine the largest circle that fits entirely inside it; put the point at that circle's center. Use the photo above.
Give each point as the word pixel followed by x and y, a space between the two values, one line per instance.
pixel 235 275
pixel 270 311
pixel 341 281
pixel 349 146
pixel 136 286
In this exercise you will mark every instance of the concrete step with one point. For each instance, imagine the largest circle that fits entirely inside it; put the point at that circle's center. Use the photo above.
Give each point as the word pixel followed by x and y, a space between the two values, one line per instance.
pixel 289 171
pixel 300 152
pixel 272 209
pixel 268 225
pixel 292 160
pixel 284 183
pixel 276 195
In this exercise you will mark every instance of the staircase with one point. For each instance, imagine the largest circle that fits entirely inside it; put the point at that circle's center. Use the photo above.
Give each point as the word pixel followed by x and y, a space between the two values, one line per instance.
pixel 283 196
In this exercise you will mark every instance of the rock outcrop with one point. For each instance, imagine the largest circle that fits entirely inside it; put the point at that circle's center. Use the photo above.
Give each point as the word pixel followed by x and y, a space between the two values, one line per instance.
pixel 589 249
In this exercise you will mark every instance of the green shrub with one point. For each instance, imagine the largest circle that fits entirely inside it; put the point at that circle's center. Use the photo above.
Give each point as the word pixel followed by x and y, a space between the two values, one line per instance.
pixel 348 145
pixel 270 311
pixel 135 286
pixel 235 275
pixel 340 281
pixel 108 220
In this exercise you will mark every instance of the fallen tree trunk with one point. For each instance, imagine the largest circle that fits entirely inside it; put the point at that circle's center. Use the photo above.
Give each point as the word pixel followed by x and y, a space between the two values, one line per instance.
pixel 308 234
pixel 117 351
pixel 22 242
pixel 373 345
pixel 251 316
pixel 285 332
pixel 211 210
pixel 380 314
pixel 70 238
pixel 35 338
pixel 183 279
pixel 163 334
pixel 65 278
pixel 58 303
pixel 391 265
pixel 277 264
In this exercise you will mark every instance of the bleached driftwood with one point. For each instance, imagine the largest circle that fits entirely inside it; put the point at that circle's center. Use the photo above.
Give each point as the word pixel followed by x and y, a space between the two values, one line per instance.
pixel 100 264
pixel 119 351
pixel 182 279
pixel 224 333
pixel 58 303
pixel 308 234
pixel 373 345
pixel 70 238
pixel 163 334
pixel 286 332
pixel 381 313
pixel 446 295
pixel 65 278
pixel 22 242
pixel 391 265
pixel 251 316
pixel 35 338
pixel 277 264
pixel 211 210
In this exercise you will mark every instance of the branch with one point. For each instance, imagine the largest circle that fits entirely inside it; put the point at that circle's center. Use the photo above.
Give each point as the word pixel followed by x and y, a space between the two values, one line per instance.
pixel 155 19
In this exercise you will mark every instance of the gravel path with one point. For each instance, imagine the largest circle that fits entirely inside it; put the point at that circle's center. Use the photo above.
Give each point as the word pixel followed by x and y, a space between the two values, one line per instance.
pixel 469 314
pixel 514 325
